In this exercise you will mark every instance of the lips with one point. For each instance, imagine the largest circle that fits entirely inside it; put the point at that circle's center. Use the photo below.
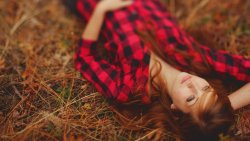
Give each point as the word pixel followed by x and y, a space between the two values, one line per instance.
pixel 184 79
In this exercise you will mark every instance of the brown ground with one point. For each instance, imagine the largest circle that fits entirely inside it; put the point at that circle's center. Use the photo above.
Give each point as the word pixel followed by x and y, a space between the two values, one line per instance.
pixel 43 97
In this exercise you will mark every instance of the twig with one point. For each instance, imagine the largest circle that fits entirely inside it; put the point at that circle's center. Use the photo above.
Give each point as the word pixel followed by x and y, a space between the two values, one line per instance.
pixel 150 133
pixel 195 11
pixel 47 116
pixel 23 19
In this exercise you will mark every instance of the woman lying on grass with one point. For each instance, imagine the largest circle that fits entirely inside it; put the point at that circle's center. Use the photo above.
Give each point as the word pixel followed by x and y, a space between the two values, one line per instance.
pixel 152 61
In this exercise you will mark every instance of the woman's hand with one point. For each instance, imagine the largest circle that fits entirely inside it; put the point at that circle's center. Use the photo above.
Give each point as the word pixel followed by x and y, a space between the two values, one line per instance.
pixel 111 5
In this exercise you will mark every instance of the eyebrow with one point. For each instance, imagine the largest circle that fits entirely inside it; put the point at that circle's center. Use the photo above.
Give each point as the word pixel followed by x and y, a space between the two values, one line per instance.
pixel 209 87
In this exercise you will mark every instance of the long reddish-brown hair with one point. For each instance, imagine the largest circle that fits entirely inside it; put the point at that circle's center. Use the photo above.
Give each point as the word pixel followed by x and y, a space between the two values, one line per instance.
pixel 213 117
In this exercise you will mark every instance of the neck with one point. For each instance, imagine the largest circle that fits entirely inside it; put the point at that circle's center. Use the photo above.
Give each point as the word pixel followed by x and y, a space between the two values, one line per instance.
pixel 167 74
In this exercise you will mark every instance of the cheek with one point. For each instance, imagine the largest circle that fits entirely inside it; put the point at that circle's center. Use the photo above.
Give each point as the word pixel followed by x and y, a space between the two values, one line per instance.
pixel 178 95
pixel 179 91
pixel 201 82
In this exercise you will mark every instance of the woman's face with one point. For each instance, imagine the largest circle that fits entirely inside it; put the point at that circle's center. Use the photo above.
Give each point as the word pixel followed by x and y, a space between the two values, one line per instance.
pixel 186 91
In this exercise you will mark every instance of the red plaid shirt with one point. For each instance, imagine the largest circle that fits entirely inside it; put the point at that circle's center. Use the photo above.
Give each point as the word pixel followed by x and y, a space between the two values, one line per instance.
pixel 126 72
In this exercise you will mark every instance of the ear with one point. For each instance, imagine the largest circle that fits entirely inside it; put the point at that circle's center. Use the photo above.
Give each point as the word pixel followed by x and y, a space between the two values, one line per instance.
pixel 173 107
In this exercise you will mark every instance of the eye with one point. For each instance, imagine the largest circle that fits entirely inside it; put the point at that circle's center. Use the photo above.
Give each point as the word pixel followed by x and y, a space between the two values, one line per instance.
pixel 190 98
pixel 205 88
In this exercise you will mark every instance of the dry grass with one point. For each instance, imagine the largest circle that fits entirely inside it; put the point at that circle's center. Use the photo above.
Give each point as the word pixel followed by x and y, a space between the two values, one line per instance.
pixel 42 97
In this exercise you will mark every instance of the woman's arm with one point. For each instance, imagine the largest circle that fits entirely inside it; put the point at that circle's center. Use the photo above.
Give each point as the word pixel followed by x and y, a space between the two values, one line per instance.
pixel 101 73
pixel 94 25
pixel 241 97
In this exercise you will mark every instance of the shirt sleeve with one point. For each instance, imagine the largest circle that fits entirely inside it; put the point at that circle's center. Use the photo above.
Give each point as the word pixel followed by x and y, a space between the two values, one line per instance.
pixel 227 65
pixel 85 8
pixel 223 64
pixel 103 75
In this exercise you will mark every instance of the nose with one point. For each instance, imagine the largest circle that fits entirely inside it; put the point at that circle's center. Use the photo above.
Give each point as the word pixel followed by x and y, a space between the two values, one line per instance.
pixel 194 84
pixel 197 85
